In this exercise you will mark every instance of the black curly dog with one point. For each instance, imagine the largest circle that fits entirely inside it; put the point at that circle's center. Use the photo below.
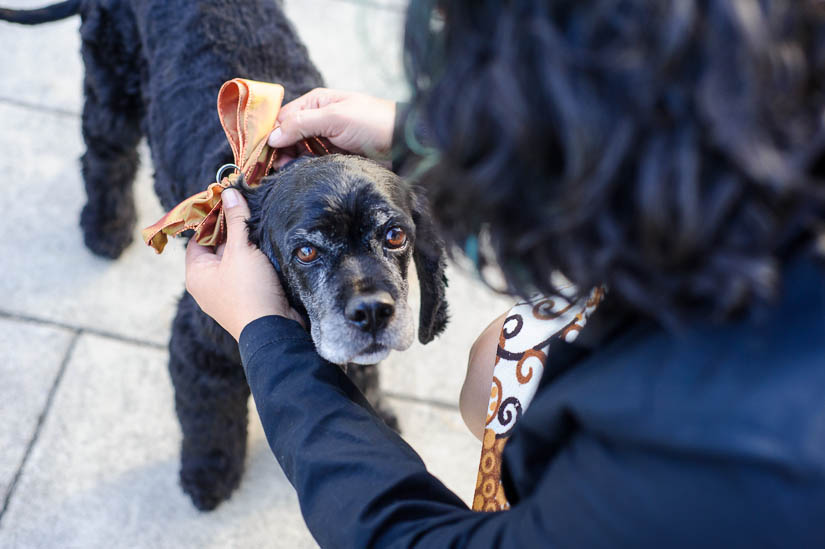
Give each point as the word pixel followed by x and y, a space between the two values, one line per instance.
pixel 153 68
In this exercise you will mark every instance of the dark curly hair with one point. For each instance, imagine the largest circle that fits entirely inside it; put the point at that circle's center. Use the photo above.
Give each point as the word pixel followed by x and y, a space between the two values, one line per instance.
pixel 671 150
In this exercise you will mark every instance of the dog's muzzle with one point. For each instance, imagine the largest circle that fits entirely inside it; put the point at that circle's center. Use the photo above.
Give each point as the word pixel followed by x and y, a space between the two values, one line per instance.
pixel 372 324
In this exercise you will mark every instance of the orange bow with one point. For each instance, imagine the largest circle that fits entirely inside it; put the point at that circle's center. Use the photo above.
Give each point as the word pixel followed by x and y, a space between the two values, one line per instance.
pixel 248 111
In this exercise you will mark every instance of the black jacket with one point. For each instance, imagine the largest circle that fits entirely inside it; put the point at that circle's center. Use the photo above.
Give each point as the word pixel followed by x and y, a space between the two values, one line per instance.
pixel 714 437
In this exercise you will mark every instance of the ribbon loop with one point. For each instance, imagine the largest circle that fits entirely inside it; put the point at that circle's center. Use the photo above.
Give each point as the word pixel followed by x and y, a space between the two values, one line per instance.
pixel 248 111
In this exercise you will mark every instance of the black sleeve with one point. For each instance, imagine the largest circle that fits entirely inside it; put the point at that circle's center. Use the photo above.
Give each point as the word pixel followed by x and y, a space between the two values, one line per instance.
pixel 400 150
pixel 360 485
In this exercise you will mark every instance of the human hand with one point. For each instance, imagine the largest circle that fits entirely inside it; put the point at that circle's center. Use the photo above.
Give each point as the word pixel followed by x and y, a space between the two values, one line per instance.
pixel 236 283
pixel 353 122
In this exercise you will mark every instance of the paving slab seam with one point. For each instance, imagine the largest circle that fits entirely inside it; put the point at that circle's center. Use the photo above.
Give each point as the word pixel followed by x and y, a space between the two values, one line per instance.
pixel 38 107
pixel 40 421
pixel 435 403
pixel 81 330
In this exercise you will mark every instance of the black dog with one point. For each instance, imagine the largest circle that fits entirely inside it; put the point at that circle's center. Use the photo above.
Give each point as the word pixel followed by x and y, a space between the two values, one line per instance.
pixel 339 230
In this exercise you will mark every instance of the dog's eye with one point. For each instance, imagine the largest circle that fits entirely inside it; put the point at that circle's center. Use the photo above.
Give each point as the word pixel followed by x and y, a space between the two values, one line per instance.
pixel 395 238
pixel 306 254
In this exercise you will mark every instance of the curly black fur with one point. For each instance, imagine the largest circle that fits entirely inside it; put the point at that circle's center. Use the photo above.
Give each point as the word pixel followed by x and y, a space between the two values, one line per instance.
pixel 672 150
pixel 153 68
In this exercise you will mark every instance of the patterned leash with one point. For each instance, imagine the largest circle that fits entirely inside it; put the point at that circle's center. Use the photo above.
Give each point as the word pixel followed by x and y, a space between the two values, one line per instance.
pixel 521 355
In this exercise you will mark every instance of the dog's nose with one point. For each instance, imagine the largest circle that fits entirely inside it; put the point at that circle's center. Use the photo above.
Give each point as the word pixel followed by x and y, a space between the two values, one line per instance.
pixel 371 311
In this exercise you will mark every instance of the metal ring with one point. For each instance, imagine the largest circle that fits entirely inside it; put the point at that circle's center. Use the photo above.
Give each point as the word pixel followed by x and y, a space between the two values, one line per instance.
pixel 222 168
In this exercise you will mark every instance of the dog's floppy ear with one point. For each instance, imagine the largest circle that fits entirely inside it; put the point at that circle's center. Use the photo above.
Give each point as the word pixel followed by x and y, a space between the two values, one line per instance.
pixel 257 222
pixel 255 197
pixel 430 259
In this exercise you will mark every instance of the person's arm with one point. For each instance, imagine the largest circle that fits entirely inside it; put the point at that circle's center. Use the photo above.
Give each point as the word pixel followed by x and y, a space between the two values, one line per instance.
pixel 400 150
pixel 360 485
pixel 475 393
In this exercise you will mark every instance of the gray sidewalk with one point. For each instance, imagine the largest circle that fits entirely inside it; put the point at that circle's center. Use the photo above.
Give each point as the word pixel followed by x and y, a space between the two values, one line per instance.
pixel 88 432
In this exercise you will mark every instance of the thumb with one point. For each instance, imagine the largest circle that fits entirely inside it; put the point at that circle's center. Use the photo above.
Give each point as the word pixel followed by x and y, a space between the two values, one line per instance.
pixel 302 124
pixel 237 212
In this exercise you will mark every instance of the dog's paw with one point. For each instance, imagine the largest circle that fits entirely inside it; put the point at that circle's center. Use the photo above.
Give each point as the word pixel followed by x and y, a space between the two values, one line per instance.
pixel 209 480
pixel 107 235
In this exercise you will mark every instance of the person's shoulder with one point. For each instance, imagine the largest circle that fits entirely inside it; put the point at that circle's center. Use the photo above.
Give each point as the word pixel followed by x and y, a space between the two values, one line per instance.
pixel 751 387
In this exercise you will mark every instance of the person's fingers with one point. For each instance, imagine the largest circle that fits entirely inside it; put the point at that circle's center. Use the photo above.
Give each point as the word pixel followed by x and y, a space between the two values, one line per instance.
pixel 237 212
pixel 195 251
pixel 302 124
pixel 315 99
pixel 197 258
pixel 285 156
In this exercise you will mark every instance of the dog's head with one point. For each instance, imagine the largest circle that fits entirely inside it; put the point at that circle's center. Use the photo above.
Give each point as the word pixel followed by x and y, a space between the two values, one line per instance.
pixel 340 231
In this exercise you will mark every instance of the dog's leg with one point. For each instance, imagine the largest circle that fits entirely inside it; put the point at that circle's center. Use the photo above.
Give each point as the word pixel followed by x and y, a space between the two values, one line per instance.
pixel 365 377
pixel 211 396
pixel 109 166
pixel 112 117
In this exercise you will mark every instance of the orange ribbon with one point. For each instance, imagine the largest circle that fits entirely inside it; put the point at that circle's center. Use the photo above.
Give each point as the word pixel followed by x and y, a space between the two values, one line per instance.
pixel 248 111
